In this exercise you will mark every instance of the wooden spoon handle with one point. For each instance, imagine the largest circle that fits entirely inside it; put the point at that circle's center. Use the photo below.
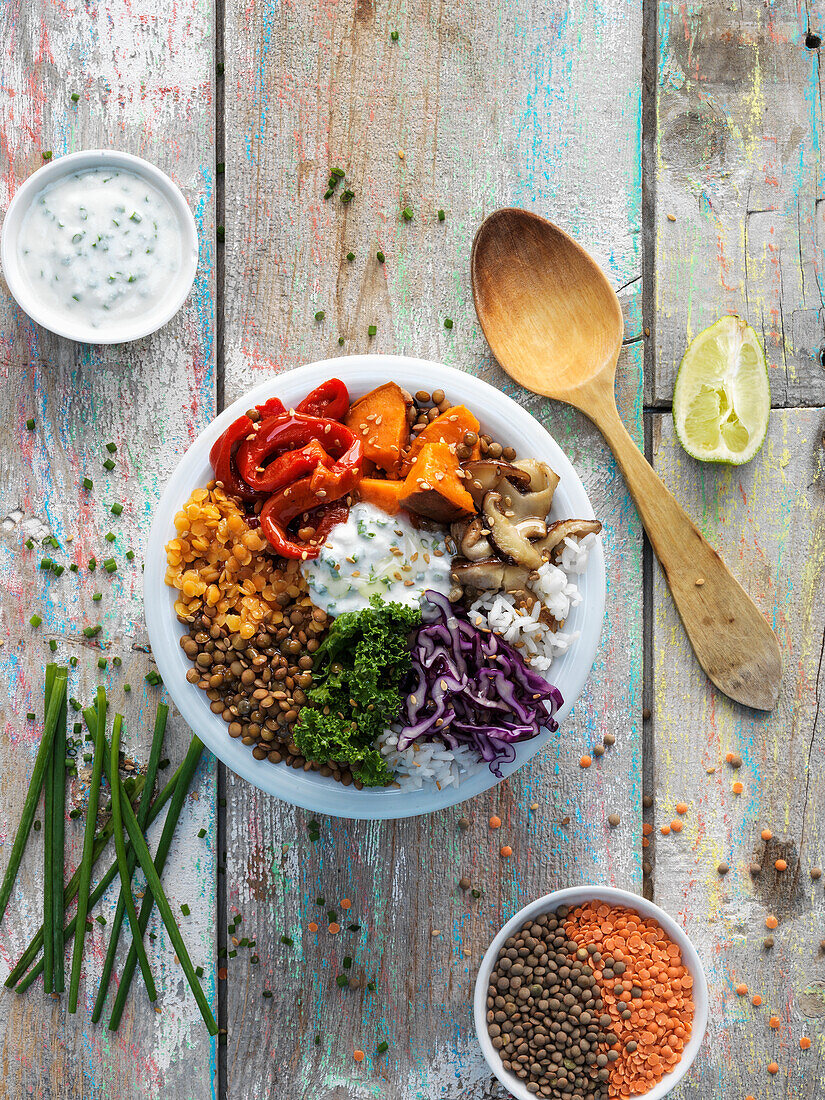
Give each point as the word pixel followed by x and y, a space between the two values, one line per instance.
pixel 731 638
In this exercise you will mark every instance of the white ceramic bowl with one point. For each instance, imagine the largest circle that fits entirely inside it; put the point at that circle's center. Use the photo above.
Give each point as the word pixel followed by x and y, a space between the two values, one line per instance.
pixel 500 416
pixel 130 328
pixel 575 896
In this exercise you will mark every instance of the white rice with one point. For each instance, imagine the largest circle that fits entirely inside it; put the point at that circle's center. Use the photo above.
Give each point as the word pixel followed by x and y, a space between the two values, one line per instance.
pixel 432 761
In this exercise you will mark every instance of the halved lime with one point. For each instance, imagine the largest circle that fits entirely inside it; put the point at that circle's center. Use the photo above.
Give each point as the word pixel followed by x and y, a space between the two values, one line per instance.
pixel 722 398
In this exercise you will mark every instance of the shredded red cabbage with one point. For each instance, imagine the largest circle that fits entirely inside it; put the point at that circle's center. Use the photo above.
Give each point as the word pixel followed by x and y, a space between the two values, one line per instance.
pixel 470 687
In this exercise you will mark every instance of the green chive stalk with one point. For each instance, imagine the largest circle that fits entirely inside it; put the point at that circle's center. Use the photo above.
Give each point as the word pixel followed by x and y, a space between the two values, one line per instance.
pixel 48 850
pixel 88 844
pixel 122 864
pixel 58 695
pixel 155 894
pixel 143 820
pixel 58 838
pixel 71 890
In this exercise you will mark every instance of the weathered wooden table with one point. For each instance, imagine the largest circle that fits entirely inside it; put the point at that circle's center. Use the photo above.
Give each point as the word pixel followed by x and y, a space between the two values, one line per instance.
pixel 681 145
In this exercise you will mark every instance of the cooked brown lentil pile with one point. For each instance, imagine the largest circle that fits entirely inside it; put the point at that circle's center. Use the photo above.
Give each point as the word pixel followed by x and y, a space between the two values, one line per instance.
pixel 252 628
pixel 428 406
pixel 545 1014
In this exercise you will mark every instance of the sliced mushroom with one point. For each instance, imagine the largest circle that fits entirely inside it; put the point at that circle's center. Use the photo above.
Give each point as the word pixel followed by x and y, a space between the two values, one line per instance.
pixel 506 537
pixel 491 574
pixel 485 474
pixel 565 529
pixel 537 498
pixel 471 539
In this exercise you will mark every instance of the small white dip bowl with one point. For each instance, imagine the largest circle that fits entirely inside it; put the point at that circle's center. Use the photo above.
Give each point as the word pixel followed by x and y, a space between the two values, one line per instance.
pixel 125 329
pixel 576 896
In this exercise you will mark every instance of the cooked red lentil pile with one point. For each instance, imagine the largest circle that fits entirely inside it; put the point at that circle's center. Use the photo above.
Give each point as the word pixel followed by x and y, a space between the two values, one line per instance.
pixel 589 1003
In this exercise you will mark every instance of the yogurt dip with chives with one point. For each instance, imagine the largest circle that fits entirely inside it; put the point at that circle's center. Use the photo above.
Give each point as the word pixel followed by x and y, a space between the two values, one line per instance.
pixel 99 246
pixel 374 553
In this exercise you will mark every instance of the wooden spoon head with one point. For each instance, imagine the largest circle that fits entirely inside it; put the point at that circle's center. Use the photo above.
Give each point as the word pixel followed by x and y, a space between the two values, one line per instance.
pixel 549 314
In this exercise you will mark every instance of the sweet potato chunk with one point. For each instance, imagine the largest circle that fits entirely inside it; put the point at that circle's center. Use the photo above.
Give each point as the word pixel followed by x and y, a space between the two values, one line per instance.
pixel 383 494
pixel 450 427
pixel 434 489
pixel 380 420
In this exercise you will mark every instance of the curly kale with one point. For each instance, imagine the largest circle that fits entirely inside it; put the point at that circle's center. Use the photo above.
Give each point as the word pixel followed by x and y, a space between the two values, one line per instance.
pixel 356 689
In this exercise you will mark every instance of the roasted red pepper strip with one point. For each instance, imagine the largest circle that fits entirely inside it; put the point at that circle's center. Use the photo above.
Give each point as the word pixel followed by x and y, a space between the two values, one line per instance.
pixel 273 407
pixel 284 506
pixel 330 399
pixel 292 465
pixel 281 434
pixel 222 454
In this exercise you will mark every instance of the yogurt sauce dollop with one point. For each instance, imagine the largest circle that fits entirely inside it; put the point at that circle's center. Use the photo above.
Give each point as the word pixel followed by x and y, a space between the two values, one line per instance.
pixel 376 554
pixel 100 245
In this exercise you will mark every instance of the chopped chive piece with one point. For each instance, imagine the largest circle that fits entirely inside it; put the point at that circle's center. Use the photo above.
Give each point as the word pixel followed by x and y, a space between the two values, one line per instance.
pixel 74 813
pixel 350 256
pixel 111 448
pixel 97 597
pixel 73 567
pixel 220 168
pixel 394 35
pixel 371 330
pixel 441 215
pixel 73 662
pixel 110 536
pixel 92 631
pixel 371 986
pixel 380 257
pixel 153 677
pixel 407 213
pixel 110 565
pixel 117 661
pixel 74 704
pixel 328 193
pixel 267 993
pixel 347 196
pixel 74 97
pixel 30 424
pixel 347 963
pixel 448 323
pixel 340 341
pixel 333 916
pixel 342 980
pixel 320 901
pixel 35 620
pixel 127 688
pixel 29 544
pixel 231 954
pixel 476 893
pixel 320 315
pixel 354 927
pixel 102 662
pixel 31 716
pixel 220 233
pixel 92 564
pixel 46 563
pixel 47 154
pixel 337 172
pixel 109 464
pixel 287 940
pixel 100 918
pixel 163 764
pixel 219 68
pixel 382 1048
pixel 52 645
pixel 117 509
pixel 254 959
pixel 186 911
pixel 58 570
pixel 130 555
pixel 201 833
pixel 37 826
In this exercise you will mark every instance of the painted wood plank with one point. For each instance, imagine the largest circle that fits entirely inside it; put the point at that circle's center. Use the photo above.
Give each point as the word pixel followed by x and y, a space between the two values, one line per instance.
pixel 144 81
pixel 738 222
pixel 767 521
pixel 528 104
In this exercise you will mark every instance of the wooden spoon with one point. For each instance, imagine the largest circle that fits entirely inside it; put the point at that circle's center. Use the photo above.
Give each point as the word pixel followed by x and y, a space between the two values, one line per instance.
pixel 554 323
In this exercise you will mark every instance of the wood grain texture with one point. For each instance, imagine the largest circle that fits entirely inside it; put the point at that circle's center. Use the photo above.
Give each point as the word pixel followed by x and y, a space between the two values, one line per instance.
pixel 739 221
pixel 491 105
pixel 767 520
pixel 144 80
